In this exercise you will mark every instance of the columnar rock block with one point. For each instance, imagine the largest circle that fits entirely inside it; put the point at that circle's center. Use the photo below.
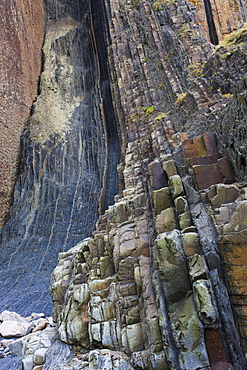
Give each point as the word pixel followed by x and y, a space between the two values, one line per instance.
pixel 230 222
pixel 208 167
pixel 145 290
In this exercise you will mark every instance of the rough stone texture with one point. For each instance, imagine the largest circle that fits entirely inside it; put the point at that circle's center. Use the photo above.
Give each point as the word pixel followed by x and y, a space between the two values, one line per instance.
pixel 147 289
pixel 230 222
pixel 220 18
pixel 64 158
pixel 19 37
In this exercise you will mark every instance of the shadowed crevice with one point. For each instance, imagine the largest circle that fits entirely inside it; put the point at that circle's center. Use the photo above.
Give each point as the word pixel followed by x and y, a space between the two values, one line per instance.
pixel 211 25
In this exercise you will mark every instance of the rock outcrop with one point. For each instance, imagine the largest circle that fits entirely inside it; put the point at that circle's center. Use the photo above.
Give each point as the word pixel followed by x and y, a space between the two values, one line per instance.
pixel 22 32
pixel 134 128
pixel 65 150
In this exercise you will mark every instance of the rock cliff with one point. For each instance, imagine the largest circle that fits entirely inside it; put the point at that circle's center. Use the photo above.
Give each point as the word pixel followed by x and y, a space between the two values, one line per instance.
pixel 22 31
pixel 133 169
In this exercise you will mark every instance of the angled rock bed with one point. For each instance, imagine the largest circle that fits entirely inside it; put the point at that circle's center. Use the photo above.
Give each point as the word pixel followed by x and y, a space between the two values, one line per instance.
pixel 64 179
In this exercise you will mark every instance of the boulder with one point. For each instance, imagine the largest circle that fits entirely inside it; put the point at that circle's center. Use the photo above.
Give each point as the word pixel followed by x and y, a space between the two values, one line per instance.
pixel 11 316
pixel 39 356
pixel 14 329
pixel 204 301
pixel 170 168
pixel 197 267
pixel 157 175
pixel 181 205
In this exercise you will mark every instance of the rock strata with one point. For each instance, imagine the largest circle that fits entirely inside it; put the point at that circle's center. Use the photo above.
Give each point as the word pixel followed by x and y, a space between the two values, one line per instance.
pixel 19 37
pixel 158 282
pixel 64 160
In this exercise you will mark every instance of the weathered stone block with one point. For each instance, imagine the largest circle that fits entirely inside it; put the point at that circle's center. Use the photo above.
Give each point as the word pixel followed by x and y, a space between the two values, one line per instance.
pixel 128 289
pixel 190 243
pixel 12 329
pixel 225 170
pixel 133 315
pixel 126 270
pixel 181 205
pixel 161 200
pixel 39 356
pixel 109 335
pixel 189 335
pixel 98 285
pixel 172 266
pixel 222 194
pixel 165 221
pixel 205 176
pixel 134 337
pixel 197 267
pixel 208 159
pixel 236 229
pixel 106 267
pixel 176 186
pixel 210 143
pixel 153 330
pixel 95 332
pixel 184 220
pixel 158 361
pixel 77 331
pixel 128 248
pixel 194 147
pixel 170 168
pixel 204 301
pixel 157 175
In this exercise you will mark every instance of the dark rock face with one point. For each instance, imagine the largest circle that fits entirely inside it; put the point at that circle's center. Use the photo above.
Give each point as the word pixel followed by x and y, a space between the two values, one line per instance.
pixel 64 159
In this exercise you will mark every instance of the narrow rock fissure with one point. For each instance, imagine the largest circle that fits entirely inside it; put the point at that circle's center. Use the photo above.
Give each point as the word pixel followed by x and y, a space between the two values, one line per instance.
pixel 101 33
pixel 211 25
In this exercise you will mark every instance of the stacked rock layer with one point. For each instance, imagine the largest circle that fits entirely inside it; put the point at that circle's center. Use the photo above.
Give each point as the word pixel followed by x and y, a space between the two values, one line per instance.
pixel 159 283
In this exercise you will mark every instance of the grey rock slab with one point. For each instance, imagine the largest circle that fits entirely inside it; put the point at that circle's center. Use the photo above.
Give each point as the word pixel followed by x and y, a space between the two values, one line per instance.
pixel 11 316
pixel 14 329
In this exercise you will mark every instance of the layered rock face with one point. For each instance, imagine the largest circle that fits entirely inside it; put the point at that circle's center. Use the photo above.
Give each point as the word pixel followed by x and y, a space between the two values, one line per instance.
pixel 220 18
pixel 64 156
pixel 20 37
pixel 159 283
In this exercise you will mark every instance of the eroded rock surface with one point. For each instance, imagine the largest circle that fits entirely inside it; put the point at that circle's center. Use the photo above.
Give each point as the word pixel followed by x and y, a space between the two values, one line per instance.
pixel 159 282
pixel 64 160
pixel 19 37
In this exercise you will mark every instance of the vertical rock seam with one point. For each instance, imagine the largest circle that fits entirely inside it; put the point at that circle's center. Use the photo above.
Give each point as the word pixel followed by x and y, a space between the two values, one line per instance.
pixel 101 35
pixel 211 25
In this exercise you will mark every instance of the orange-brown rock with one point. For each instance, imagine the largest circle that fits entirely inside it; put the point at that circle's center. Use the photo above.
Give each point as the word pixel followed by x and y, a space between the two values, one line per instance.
pixel 227 15
pixel 21 35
